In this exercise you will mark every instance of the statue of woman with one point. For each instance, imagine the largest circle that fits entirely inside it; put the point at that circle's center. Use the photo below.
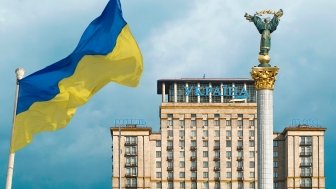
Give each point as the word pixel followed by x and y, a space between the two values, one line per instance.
pixel 265 28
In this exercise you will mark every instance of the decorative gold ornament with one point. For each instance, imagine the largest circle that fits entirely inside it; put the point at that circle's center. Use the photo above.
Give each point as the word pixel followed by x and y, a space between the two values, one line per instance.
pixel 264 59
pixel 264 77
pixel 265 12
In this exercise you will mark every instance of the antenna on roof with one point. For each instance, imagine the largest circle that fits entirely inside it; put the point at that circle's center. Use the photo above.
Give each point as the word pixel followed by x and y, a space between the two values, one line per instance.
pixel 203 76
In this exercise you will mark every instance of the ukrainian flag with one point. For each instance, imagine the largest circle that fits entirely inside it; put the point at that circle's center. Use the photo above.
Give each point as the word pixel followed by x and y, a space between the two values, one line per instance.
pixel 48 98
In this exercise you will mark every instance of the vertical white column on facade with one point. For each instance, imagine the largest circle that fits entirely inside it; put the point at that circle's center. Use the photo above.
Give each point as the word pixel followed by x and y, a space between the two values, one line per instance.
pixel 210 93
pixel 198 97
pixel 245 88
pixel 222 92
pixel 175 92
pixel 163 92
pixel 186 97
pixel 265 138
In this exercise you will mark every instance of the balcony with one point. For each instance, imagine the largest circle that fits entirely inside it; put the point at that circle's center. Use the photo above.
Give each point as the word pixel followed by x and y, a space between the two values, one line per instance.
pixel 193 148
pixel 129 186
pixel 131 154
pixel 170 168
pixel 170 178
pixel 131 143
pixel 193 178
pixel 306 164
pixel 193 158
pixel 216 147
pixel 217 178
pixel 170 158
pixel 240 178
pixel 240 158
pixel 130 175
pixel 130 164
pixel 216 168
pixel 193 168
pixel 306 153
pixel 306 143
pixel 305 186
pixel 170 148
pixel 306 175
pixel 216 158
pixel 239 147
pixel 240 168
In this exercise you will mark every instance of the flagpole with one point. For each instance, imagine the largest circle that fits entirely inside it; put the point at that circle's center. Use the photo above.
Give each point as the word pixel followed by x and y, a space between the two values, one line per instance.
pixel 19 75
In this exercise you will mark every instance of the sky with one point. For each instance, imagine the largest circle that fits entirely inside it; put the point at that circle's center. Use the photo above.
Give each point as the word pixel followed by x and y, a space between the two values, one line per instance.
pixel 177 39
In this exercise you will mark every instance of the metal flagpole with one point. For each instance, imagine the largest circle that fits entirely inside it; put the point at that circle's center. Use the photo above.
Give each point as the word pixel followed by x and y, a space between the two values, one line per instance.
pixel 119 157
pixel 19 75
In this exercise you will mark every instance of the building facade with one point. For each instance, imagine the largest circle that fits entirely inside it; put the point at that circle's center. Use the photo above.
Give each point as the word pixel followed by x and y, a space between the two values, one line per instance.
pixel 207 139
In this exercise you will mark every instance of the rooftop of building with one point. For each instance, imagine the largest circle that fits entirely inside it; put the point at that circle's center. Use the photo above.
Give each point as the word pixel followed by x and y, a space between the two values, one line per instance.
pixel 130 127
pixel 201 80
pixel 303 128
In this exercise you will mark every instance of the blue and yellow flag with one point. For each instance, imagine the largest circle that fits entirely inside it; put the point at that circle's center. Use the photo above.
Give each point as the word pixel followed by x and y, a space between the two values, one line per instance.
pixel 48 98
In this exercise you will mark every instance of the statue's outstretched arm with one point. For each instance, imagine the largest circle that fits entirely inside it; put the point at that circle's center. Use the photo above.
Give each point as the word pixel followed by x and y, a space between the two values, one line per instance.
pixel 248 17
pixel 275 20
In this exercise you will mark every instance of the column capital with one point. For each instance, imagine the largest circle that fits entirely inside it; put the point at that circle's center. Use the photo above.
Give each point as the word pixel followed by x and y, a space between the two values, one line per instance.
pixel 264 77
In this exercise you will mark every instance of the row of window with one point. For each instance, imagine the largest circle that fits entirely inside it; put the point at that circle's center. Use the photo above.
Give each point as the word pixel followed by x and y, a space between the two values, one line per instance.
pixel 205 184
pixel 240 174
pixel 205 164
pixel 205 133
pixel 206 123
pixel 158 154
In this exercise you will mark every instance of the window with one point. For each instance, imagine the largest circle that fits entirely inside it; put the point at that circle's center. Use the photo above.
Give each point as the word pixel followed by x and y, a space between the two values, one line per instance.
pixel 181 133
pixel 275 164
pixel 158 184
pixel 205 164
pixel 228 185
pixel 205 174
pixel 216 115
pixel 252 174
pixel 217 143
pixel 205 154
pixel 240 115
pixel 170 122
pixel 170 116
pixel 251 154
pixel 170 133
pixel 181 154
pixel 275 154
pixel 239 123
pixel 240 185
pixel 228 133
pixel 193 116
pixel 251 123
pixel 275 174
pixel 228 143
pixel 181 143
pixel 217 133
pixel 170 185
pixel 251 143
pixel 228 175
pixel 306 182
pixel 205 122
pixel 240 143
pixel 228 122
pixel 158 143
pixel 193 143
pixel 252 164
pixel 182 164
pixel 193 123
pixel 240 133
pixel 182 175
pixel 216 123
pixel 170 143
pixel 206 185
pixel 240 154
pixel 158 174
pixel 205 133
pixel 228 154
pixel 251 133
pixel 158 164
pixel 240 164
pixel 181 122
pixel 182 184
pixel 275 143
pixel 228 164
pixel 240 174
pixel 193 185
pixel 275 185
pixel 193 133
pixel 158 154
pixel 252 185
pixel 205 143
